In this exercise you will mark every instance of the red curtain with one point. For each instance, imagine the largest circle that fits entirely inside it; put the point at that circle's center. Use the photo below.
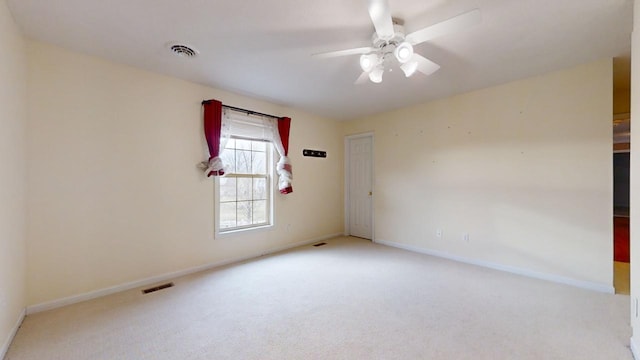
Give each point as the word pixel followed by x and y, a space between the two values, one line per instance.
pixel 212 129
pixel 284 125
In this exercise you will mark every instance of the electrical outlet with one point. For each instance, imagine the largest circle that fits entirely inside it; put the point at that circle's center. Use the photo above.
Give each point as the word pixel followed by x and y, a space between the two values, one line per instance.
pixel 465 237
pixel 439 233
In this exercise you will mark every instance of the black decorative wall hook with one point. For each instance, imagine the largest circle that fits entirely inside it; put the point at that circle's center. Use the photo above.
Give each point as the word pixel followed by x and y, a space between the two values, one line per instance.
pixel 314 153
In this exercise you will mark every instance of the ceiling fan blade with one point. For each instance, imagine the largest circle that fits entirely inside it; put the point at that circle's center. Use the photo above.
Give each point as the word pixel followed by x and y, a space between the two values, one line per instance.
pixel 363 78
pixel 456 23
pixel 381 17
pixel 355 51
pixel 425 65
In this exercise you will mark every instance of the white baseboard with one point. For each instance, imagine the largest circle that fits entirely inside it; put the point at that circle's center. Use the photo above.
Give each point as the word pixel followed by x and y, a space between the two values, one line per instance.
pixel 32 309
pixel 634 348
pixel 605 288
pixel 12 334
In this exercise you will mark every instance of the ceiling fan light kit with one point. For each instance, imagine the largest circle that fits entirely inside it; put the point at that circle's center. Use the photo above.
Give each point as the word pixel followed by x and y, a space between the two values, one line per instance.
pixel 403 52
pixel 368 62
pixel 409 68
pixel 376 75
pixel 390 42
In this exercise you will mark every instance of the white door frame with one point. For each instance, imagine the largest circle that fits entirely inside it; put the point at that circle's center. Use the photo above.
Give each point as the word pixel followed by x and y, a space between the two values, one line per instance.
pixel 347 163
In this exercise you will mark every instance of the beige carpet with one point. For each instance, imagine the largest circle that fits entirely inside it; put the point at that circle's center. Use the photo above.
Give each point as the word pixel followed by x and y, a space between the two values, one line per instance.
pixel 350 299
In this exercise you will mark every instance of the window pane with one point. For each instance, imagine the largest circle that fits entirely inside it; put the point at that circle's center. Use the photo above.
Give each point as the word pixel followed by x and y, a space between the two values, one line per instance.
pixel 228 157
pixel 259 146
pixel 243 162
pixel 259 189
pixel 244 200
pixel 227 189
pixel 260 212
pixel 259 163
pixel 244 191
pixel 243 144
pixel 227 215
pixel 244 213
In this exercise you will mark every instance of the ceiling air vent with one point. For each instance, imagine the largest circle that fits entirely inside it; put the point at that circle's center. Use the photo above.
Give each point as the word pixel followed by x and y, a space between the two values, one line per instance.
pixel 183 50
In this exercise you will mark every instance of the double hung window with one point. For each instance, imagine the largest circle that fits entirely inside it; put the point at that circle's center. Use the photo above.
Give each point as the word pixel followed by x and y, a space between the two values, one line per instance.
pixel 245 191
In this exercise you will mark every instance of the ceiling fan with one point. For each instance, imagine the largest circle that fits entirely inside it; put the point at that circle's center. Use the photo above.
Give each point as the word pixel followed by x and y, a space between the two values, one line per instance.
pixel 390 44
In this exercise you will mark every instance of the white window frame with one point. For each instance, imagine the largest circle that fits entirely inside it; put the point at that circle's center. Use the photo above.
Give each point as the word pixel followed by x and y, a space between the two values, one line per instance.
pixel 270 173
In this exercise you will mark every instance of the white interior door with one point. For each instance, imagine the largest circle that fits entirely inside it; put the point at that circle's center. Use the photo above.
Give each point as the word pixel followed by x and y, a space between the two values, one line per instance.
pixel 360 185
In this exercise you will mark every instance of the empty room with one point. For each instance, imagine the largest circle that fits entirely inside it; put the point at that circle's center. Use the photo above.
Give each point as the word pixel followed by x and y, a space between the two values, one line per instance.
pixel 369 179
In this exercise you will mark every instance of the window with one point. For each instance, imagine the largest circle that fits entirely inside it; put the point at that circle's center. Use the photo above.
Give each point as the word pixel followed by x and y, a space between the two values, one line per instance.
pixel 244 193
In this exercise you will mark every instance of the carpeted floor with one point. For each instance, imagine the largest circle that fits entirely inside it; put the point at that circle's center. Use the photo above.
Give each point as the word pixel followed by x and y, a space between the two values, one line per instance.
pixel 349 299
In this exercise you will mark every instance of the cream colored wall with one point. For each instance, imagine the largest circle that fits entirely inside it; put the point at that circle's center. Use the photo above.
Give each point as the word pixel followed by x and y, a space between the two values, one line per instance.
pixel 115 195
pixel 13 117
pixel 524 168
pixel 634 221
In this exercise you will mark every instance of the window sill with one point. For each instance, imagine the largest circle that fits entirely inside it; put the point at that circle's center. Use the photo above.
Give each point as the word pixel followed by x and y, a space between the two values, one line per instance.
pixel 231 233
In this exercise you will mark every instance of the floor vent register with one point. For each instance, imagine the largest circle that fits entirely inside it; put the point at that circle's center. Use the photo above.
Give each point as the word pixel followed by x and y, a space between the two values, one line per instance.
pixel 157 288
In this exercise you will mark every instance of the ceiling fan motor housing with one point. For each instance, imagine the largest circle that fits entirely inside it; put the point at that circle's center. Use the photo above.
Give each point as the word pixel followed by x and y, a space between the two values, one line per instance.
pixel 385 49
pixel 398 37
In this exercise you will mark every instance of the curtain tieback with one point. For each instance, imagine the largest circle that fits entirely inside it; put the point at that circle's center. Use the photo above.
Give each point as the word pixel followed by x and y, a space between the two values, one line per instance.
pixel 212 167
pixel 285 175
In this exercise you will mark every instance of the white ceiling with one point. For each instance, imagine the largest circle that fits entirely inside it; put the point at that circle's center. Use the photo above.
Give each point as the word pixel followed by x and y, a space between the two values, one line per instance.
pixel 263 48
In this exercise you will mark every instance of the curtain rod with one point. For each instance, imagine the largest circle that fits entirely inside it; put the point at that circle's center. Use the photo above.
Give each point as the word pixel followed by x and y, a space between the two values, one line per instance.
pixel 248 112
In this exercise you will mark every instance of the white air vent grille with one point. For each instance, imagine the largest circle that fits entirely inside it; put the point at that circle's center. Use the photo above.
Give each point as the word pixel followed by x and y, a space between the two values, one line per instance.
pixel 183 50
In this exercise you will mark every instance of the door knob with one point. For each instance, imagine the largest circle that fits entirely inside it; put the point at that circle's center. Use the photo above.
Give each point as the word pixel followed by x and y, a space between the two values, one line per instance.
pixel 370 193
